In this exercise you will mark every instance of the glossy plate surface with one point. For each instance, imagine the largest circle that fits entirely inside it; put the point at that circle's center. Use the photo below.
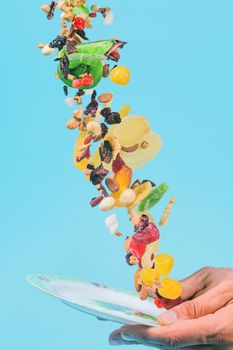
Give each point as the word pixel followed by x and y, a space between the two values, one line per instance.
pixel 98 300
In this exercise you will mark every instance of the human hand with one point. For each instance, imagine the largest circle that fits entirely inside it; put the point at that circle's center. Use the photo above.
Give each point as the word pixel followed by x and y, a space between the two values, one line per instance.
pixel 205 317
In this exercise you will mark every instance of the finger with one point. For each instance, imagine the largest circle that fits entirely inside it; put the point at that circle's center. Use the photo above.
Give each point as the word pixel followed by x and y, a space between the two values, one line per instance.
pixel 205 304
pixel 115 339
pixel 194 283
pixel 181 334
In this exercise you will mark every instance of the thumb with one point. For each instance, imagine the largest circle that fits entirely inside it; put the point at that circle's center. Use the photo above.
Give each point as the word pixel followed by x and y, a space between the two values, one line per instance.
pixel 205 304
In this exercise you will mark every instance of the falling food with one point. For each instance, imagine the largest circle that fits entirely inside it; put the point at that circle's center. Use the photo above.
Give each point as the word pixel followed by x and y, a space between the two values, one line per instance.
pixel 167 211
pixel 112 143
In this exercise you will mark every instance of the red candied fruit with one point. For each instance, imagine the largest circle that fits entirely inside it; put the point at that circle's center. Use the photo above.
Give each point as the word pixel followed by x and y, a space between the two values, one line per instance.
pixel 117 164
pixel 87 80
pixel 148 235
pixel 88 139
pixel 137 250
pixel 158 302
pixel 79 23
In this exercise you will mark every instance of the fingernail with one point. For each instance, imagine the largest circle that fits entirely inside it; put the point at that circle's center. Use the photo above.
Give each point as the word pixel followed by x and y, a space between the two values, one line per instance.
pixel 167 317
pixel 127 336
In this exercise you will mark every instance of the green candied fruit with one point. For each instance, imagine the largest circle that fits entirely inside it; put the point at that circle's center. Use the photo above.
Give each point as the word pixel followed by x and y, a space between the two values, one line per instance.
pixel 79 10
pixel 153 197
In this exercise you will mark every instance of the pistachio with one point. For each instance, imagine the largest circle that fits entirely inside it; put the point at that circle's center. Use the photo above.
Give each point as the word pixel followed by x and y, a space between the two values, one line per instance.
pixel 107 204
pixel 130 149
pixel 127 197
pixel 106 97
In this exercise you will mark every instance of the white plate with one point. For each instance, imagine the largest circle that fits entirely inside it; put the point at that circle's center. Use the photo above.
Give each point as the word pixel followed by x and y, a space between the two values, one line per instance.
pixel 99 300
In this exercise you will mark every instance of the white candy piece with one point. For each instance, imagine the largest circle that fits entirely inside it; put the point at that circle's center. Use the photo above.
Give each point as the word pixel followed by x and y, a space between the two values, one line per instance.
pixel 89 91
pixel 47 50
pixel 70 102
pixel 109 18
pixel 107 204
pixel 127 197
pixel 112 223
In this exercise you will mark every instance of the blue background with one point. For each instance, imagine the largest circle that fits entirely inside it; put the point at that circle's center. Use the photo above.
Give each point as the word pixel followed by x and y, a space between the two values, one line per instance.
pixel 180 55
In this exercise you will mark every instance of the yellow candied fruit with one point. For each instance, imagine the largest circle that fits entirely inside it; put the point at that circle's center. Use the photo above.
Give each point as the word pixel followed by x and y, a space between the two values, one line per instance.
pixel 124 177
pixel 164 264
pixel 170 288
pixel 149 276
pixel 124 110
pixel 80 140
pixel 120 75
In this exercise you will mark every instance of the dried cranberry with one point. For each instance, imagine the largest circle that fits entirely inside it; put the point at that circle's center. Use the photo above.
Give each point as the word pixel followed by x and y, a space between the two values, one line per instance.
pixel 92 14
pixel 105 152
pixel 97 200
pixel 92 106
pixel 88 139
pixel 117 164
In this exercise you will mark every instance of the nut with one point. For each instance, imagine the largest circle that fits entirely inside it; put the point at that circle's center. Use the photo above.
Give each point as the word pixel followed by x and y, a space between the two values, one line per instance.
pixel 107 204
pixel 41 45
pixel 127 197
pixel 106 97
pixel 46 50
pixel 112 185
pixel 45 8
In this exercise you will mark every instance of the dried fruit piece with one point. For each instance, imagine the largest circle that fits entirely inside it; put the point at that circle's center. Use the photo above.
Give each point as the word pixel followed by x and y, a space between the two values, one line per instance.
pixel 141 192
pixel 149 277
pixel 147 259
pixel 107 204
pixel 96 201
pixel 137 250
pixel 105 151
pixel 80 140
pixel 124 177
pixel 153 197
pixel 124 110
pixel 148 235
pixel 98 174
pixel 170 288
pixel 120 75
pixel 134 130
pixel 163 264
pixel 110 117
pixel 117 164
pixel 167 211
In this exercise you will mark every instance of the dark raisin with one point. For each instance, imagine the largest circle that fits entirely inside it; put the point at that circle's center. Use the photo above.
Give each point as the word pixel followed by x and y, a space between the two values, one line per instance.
pixel 59 42
pixel 105 111
pixel 65 89
pixel 113 118
pixel 152 183
pixel 98 174
pixel 105 152
pixel 52 6
pixel 104 129
pixel 127 258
